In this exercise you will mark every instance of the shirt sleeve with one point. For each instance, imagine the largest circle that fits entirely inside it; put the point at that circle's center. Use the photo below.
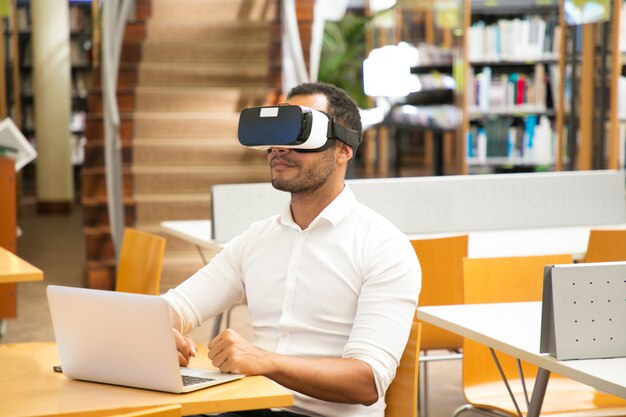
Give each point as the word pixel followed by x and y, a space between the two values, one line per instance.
pixel 212 289
pixel 386 308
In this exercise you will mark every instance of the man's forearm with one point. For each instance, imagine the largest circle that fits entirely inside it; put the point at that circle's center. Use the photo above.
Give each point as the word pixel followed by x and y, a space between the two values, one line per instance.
pixel 175 319
pixel 342 380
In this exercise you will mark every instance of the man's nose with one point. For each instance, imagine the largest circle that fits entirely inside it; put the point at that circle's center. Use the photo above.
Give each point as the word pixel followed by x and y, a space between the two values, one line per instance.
pixel 277 150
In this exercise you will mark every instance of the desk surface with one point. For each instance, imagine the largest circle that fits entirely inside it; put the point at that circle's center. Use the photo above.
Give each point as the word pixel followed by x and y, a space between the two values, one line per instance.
pixel 30 387
pixel 197 232
pixel 517 332
pixel 482 244
pixel 15 269
pixel 527 242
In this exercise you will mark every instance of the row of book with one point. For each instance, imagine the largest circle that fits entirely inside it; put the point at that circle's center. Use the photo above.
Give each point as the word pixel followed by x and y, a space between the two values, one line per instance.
pixel 530 140
pixel 79 18
pixel 80 52
pixel 507 92
pixel 80 84
pixel 429 54
pixel 521 39
pixel 77 122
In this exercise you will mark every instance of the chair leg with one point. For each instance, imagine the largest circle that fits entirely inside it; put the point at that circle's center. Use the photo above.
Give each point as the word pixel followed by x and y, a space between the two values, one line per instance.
pixel 424 411
pixel 469 407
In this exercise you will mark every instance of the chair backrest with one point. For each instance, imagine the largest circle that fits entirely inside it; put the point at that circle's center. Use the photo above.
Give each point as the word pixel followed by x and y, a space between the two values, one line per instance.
pixel 441 260
pixel 140 263
pixel 493 280
pixel 401 397
pixel 174 410
pixel 606 246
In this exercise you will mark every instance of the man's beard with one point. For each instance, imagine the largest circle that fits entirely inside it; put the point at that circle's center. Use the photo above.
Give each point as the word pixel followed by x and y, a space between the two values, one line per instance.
pixel 310 179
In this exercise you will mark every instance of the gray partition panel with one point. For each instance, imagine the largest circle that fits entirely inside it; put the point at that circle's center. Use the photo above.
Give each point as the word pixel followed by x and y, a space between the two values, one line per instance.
pixel 452 203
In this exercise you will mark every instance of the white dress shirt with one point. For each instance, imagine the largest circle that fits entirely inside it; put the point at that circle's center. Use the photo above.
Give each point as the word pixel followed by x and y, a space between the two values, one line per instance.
pixel 347 286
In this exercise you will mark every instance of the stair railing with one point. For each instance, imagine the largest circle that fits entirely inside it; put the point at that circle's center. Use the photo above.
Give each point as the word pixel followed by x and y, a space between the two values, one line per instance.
pixel 293 67
pixel 115 14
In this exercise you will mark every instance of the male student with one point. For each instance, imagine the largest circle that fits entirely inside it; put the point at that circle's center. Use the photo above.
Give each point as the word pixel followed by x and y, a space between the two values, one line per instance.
pixel 331 286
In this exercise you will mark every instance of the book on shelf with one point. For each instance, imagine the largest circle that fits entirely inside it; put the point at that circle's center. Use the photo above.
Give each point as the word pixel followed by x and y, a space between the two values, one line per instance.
pixel 23 19
pixel 79 84
pixel 79 18
pixel 505 140
pixel 530 38
pixel 79 52
pixel 507 91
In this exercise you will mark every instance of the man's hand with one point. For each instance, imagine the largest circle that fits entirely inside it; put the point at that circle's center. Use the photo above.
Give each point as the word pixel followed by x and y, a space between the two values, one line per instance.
pixel 185 346
pixel 230 352
pixel 322 378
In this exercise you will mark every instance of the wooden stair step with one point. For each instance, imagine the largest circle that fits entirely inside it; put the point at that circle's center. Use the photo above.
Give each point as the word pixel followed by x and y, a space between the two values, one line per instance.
pixel 205 52
pixel 193 29
pixel 204 74
pixel 185 125
pixel 157 208
pixel 193 152
pixel 194 99
pixel 219 10
pixel 183 180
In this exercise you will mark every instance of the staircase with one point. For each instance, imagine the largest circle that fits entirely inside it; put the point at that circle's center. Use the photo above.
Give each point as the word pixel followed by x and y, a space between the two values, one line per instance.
pixel 197 64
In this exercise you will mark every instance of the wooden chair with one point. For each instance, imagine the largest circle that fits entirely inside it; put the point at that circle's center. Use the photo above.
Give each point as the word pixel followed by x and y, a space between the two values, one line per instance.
pixel 140 262
pixel 441 260
pixel 491 280
pixel 174 410
pixel 401 397
pixel 606 246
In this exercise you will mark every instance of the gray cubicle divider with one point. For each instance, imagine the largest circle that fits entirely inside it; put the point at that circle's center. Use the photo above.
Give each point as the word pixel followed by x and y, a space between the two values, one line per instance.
pixel 236 206
pixel 583 311
pixel 421 205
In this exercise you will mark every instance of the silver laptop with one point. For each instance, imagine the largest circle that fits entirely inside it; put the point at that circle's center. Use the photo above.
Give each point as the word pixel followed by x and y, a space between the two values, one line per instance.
pixel 122 339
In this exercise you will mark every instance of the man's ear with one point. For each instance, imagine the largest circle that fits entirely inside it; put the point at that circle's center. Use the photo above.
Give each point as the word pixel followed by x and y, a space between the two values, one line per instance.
pixel 345 152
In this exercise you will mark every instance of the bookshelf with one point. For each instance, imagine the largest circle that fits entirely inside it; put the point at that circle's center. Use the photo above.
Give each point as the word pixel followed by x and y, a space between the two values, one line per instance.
pixel 511 70
pixel 569 88
pixel 426 119
pixel 80 19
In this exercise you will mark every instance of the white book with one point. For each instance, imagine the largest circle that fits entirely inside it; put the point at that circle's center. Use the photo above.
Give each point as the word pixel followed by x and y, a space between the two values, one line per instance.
pixel 484 86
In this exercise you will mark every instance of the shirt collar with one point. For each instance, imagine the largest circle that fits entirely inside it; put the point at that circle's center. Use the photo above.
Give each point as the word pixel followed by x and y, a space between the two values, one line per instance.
pixel 333 213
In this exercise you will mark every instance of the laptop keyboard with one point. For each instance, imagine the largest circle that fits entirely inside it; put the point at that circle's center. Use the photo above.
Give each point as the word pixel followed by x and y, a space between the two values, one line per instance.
pixel 190 380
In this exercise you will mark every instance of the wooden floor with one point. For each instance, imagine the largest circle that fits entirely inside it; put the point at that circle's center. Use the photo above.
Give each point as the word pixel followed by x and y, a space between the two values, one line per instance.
pixel 55 244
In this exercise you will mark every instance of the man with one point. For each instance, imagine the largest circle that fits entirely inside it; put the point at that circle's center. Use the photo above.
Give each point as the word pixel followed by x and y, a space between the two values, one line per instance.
pixel 331 286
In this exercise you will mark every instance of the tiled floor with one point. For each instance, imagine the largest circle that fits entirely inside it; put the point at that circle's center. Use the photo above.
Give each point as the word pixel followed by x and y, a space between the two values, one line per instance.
pixel 55 243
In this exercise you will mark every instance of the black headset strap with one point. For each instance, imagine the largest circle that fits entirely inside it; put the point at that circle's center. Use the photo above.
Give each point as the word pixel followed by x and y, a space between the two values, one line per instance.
pixel 348 136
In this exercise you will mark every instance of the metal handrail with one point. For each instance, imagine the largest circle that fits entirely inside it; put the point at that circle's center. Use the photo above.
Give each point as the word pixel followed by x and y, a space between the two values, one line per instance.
pixel 293 67
pixel 115 14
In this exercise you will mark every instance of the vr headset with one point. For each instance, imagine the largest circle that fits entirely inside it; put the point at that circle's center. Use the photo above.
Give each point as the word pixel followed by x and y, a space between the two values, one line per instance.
pixel 297 127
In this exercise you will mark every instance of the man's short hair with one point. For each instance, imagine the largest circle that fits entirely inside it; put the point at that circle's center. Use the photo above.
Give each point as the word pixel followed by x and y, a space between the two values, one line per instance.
pixel 340 106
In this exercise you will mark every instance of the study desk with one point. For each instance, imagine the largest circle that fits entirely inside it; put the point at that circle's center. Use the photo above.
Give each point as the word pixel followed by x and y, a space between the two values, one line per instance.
pixel 15 269
pixel 197 232
pixel 515 329
pixel 30 387
pixel 571 240
pixel 482 244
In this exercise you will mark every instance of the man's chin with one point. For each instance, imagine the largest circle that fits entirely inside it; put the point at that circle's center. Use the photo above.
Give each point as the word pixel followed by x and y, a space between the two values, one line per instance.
pixel 280 185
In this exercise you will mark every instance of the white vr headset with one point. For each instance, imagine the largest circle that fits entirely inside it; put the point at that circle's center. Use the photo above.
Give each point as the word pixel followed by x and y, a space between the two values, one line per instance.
pixel 297 127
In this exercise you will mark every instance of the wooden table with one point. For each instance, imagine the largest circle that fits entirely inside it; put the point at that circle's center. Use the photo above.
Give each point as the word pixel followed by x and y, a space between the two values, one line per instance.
pixel 15 269
pixel 30 387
